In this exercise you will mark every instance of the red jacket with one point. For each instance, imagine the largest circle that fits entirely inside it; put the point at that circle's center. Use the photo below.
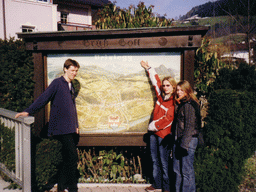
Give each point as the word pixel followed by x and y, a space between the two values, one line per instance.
pixel 164 109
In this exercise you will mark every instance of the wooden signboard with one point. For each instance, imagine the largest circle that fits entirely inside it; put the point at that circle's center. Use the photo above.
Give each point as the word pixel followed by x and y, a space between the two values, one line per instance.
pixel 116 97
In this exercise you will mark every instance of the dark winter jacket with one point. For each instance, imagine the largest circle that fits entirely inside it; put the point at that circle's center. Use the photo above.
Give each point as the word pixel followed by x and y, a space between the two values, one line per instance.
pixel 187 122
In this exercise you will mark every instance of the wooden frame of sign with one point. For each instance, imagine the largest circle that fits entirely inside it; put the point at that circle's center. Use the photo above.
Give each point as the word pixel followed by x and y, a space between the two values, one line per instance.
pixel 182 40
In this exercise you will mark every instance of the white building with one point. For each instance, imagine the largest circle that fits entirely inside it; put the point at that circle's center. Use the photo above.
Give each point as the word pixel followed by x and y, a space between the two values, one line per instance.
pixel 240 51
pixel 46 15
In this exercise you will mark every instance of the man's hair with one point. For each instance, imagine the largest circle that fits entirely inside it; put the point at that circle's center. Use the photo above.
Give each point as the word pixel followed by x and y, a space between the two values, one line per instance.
pixel 71 62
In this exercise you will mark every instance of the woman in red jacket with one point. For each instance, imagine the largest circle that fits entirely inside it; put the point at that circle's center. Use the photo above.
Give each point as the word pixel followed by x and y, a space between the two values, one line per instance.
pixel 163 116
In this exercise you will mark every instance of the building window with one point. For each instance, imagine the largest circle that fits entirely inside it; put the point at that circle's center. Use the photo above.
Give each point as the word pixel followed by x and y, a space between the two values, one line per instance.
pixel 27 29
pixel 64 17
pixel 44 0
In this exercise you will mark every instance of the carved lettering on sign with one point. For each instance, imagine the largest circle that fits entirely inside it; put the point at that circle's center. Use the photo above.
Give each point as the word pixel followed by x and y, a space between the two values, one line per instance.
pixel 96 43
pixel 133 42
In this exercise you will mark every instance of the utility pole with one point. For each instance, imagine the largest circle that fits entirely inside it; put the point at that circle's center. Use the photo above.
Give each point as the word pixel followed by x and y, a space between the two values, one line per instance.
pixel 4 23
pixel 248 33
pixel 214 18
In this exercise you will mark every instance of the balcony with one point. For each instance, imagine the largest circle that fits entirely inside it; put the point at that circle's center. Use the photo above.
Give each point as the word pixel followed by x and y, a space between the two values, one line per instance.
pixel 68 26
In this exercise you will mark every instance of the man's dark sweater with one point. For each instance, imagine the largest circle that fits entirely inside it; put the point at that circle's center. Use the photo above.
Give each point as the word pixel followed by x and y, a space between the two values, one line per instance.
pixel 63 114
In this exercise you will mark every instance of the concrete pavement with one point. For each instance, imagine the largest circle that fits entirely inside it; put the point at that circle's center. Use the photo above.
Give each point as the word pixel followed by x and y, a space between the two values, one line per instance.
pixel 110 188
pixel 90 187
pixel 4 184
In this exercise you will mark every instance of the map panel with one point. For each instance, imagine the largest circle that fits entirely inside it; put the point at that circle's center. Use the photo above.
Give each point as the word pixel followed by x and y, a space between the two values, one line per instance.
pixel 116 94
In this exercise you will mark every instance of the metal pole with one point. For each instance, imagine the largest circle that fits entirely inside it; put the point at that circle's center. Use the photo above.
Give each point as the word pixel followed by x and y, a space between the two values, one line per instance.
pixel 248 33
pixel 4 23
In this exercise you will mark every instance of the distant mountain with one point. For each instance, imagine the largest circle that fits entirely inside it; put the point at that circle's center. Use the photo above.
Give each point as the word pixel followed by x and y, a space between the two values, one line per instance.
pixel 222 8
pixel 162 70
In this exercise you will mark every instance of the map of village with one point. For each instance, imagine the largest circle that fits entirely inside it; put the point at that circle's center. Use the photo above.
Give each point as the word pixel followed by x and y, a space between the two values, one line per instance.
pixel 110 102
pixel 113 102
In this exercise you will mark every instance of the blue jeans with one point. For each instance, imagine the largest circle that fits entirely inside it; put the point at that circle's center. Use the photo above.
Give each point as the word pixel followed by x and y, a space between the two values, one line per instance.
pixel 160 153
pixel 184 169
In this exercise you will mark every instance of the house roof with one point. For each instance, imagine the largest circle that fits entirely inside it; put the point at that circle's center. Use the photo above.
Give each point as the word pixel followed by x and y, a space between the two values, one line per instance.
pixel 93 3
pixel 133 32
pixel 194 17
pixel 241 46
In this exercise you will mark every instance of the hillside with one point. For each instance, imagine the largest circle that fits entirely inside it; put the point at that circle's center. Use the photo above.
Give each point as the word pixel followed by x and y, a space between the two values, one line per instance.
pixel 222 8
pixel 225 29
pixel 228 21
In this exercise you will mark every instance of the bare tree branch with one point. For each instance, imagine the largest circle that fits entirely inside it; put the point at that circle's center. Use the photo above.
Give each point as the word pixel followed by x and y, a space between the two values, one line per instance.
pixel 231 16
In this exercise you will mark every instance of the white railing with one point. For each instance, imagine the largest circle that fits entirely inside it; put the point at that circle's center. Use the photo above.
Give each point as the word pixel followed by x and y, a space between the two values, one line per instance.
pixel 22 126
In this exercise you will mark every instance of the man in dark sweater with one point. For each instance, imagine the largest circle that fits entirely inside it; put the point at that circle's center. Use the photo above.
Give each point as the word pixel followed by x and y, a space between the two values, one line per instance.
pixel 63 123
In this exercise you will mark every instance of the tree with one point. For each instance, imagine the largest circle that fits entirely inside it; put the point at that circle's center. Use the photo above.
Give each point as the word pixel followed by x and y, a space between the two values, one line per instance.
pixel 237 11
pixel 207 66
pixel 112 17
pixel 16 75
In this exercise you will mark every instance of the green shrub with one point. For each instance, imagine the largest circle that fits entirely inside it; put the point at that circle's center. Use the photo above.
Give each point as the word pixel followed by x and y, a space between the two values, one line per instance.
pixel 110 164
pixel 7 147
pixel 7 153
pixel 230 140
pixel 48 157
pixel 243 78
pixel 16 84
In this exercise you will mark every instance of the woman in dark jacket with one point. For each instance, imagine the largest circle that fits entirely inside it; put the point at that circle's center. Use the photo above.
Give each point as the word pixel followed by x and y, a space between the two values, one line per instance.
pixel 186 137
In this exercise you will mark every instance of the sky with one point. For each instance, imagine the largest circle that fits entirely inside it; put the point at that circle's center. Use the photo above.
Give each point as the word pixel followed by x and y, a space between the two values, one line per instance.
pixel 172 8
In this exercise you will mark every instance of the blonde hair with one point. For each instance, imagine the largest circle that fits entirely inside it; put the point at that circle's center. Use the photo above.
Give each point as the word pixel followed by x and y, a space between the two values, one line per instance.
pixel 172 82
pixel 186 87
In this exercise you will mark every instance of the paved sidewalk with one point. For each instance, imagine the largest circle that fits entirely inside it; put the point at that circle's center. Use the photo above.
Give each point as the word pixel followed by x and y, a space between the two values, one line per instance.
pixel 4 184
pixel 110 188
pixel 91 187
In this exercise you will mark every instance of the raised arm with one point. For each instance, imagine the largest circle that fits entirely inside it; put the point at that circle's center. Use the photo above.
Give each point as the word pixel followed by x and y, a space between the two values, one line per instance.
pixel 145 65
pixel 154 78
